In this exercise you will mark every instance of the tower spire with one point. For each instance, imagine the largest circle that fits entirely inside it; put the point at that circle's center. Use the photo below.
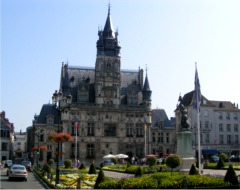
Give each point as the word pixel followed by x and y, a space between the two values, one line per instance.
pixel 109 7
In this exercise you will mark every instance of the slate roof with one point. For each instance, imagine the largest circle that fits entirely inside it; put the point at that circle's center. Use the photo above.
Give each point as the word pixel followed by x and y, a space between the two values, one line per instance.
pixel 219 105
pixel 78 74
pixel 47 109
pixel 159 115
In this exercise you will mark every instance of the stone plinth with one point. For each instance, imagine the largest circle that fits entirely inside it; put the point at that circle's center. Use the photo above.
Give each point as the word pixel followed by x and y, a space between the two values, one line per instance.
pixel 184 150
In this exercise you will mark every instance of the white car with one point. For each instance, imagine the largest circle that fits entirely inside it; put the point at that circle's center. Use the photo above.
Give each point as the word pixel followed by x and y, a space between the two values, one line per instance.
pixel 17 171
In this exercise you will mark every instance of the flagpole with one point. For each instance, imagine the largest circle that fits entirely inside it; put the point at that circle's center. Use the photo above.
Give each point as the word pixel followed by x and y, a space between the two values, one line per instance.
pixel 76 127
pixel 197 107
pixel 145 139
pixel 76 148
pixel 199 140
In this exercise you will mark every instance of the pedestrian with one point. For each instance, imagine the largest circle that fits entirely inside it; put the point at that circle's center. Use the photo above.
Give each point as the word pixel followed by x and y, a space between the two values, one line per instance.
pixel 78 163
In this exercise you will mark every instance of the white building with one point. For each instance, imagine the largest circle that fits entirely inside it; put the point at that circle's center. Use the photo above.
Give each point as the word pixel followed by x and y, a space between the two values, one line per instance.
pixel 219 125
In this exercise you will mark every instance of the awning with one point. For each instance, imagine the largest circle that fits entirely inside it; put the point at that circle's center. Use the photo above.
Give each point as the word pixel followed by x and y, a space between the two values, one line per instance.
pixel 210 151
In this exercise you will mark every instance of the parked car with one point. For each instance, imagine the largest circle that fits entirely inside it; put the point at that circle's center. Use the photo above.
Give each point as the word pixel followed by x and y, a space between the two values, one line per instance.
pixel 214 158
pixel 235 158
pixel 17 171
pixel 27 164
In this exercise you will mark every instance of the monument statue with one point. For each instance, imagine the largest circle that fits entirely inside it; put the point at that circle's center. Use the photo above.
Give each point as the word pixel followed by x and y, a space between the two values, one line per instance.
pixel 184 118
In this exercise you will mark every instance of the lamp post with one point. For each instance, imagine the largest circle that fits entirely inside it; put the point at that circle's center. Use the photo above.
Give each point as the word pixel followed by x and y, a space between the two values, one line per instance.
pixel 58 99
pixel 38 151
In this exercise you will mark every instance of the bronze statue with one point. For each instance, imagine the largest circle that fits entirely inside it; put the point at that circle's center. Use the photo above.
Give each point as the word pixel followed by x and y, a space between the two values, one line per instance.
pixel 184 117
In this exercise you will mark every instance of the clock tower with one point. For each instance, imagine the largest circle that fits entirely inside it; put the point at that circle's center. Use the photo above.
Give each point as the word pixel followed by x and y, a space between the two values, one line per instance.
pixel 107 66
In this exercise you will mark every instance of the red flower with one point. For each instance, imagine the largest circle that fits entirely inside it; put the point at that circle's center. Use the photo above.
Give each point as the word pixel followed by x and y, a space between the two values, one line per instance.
pixel 60 137
pixel 43 148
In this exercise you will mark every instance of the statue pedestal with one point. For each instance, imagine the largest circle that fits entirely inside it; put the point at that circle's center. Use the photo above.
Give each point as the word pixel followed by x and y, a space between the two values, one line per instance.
pixel 184 150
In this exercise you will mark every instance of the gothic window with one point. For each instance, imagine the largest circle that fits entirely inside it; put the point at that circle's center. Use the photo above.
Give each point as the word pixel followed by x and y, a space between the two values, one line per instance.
pixel 160 137
pixel 129 130
pixel 90 151
pixel 139 130
pixel 90 129
pixel 167 137
pixel 109 130
pixel 153 137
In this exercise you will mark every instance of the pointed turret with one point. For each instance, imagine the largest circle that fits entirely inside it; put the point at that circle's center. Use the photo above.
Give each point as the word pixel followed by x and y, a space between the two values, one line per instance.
pixel 107 43
pixel 65 80
pixel 146 92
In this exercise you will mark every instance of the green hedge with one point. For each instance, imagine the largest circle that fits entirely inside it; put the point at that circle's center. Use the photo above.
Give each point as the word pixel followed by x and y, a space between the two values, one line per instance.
pixel 164 180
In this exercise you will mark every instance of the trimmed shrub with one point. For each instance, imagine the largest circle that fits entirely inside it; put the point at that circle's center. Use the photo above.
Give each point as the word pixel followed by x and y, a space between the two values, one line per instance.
pixel 138 172
pixel 68 163
pixel 82 166
pixel 46 168
pixel 223 156
pixel 50 161
pixel 100 179
pixel 92 169
pixel 220 163
pixel 151 161
pixel 193 170
pixel 173 161
pixel 140 183
pixel 231 176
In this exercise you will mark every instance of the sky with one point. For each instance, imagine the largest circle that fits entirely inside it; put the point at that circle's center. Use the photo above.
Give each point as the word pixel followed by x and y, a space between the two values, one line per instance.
pixel 165 36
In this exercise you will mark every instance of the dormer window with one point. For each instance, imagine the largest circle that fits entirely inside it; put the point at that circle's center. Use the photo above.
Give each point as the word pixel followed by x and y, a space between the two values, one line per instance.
pixel 50 120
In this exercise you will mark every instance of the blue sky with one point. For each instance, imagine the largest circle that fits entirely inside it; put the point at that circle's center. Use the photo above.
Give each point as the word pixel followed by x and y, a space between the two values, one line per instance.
pixel 168 36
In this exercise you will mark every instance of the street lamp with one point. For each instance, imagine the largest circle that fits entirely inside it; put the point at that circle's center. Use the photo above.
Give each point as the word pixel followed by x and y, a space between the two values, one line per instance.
pixel 61 104
pixel 38 151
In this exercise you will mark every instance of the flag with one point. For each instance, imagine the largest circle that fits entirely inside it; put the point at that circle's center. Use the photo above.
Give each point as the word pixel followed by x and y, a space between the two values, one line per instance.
pixel 76 124
pixel 197 93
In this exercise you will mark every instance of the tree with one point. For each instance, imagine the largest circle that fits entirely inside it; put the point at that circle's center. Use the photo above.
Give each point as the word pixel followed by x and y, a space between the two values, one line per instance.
pixel 151 161
pixel 100 179
pixel 231 176
pixel 173 161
